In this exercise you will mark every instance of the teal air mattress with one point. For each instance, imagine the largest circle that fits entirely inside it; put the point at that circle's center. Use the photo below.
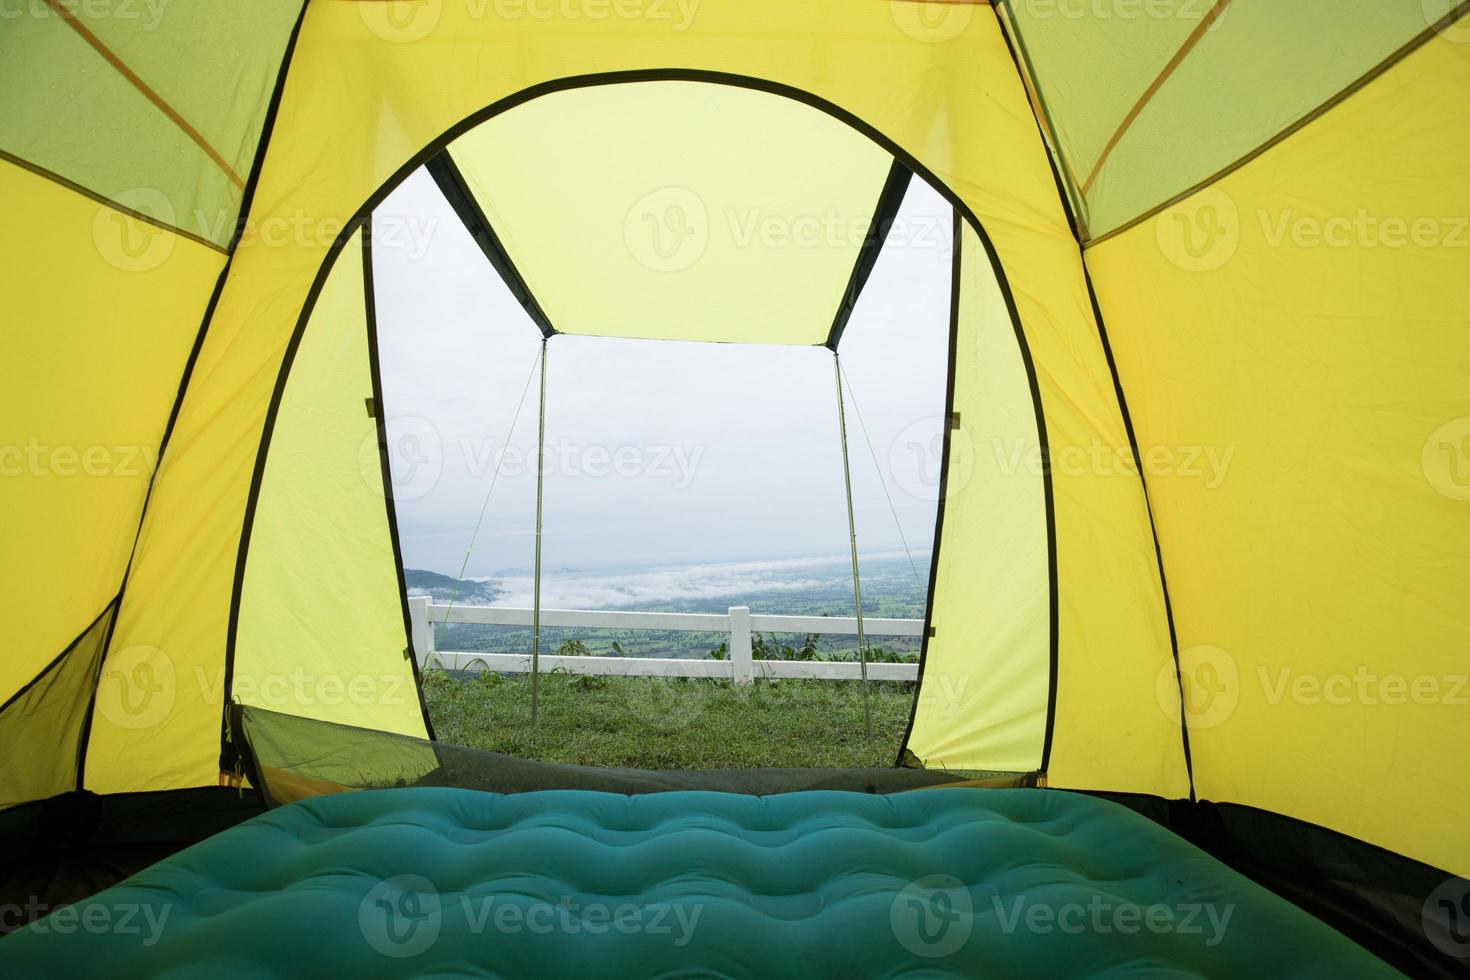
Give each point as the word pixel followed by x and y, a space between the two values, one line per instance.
pixel 447 882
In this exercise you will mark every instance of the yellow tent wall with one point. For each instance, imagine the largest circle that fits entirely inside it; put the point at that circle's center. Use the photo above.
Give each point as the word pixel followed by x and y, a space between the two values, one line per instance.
pixel 1305 321
pixel 91 377
pixel 1289 337
pixel 372 85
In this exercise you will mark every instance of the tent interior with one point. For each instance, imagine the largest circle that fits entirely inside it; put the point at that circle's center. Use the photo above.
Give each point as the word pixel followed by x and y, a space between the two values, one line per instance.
pixel 1244 691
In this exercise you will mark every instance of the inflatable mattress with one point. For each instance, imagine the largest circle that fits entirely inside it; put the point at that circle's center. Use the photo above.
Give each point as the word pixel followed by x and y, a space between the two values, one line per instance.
pixel 448 882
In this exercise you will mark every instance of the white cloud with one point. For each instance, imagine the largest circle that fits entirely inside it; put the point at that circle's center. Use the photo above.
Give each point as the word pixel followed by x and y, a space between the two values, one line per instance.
pixel 684 583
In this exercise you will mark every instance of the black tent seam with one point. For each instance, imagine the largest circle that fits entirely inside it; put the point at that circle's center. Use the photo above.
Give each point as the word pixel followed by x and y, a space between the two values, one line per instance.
pixel 954 333
pixel 241 222
pixel 1021 57
pixel 1074 223
pixel 1384 66
pixel 452 185
pixel 1102 333
pixel 615 78
pixel 257 476
pixel 380 415
pixel 1132 439
pixel 54 661
pixel 92 195
pixel 267 130
pixel 890 198
pixel 1049 498
pixel 84 737
pixel 168 430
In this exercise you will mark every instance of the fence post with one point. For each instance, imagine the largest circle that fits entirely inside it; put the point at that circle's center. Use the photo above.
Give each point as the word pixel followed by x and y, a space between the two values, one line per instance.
pixel 423 630
pixel 740 644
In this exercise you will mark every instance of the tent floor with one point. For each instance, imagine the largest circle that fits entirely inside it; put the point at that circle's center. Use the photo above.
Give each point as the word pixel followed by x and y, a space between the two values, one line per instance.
pixel 293 758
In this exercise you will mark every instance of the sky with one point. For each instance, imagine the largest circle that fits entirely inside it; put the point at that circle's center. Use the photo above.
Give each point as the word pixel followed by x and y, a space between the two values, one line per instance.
pixel 659 454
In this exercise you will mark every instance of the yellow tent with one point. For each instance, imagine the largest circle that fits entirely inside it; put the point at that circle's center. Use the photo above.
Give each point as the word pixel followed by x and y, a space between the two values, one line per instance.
pixel 1212 271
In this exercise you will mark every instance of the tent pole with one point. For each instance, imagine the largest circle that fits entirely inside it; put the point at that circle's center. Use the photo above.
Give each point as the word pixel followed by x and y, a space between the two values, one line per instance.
pixel 536 588
pixel 857 589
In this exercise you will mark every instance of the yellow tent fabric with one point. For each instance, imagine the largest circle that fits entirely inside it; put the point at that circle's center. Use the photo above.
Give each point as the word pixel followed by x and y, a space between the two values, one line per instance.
pixel 322 625
pixel 1225 313
pixel 637 205
pixel 91 375
pixel 1303 321
pixel 946 102
pixel 986 669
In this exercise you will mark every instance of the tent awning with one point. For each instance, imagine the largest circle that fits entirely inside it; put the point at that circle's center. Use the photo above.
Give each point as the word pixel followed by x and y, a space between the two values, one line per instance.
pixel 674 210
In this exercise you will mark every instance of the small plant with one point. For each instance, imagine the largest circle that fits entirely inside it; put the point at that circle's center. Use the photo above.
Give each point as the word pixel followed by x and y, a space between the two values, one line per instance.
pixel 808 648
pixel 573 648
pixel 878 655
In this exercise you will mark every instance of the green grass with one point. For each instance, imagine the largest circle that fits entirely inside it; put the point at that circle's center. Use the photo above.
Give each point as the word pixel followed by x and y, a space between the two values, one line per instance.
pixel 682 723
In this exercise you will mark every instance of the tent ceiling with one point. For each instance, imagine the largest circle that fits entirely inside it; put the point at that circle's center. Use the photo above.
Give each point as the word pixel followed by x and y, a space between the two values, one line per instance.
pixel 678 210
pixel 1182 103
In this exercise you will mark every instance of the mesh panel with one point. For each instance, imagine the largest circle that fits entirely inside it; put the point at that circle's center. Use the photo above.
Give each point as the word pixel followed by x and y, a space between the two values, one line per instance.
pixel 1186 96
pixel 41 726
pixel 292 758
pixel 158 107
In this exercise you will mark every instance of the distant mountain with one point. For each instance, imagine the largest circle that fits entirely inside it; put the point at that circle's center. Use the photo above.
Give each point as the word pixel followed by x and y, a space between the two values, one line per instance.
pixel 441 587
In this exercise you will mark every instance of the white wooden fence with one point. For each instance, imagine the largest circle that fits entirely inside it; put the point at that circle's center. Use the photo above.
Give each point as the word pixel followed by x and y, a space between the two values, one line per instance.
pixel 738 623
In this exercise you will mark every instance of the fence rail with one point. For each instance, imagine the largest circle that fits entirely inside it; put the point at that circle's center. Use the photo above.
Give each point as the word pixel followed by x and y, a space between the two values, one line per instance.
pixel 738 624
